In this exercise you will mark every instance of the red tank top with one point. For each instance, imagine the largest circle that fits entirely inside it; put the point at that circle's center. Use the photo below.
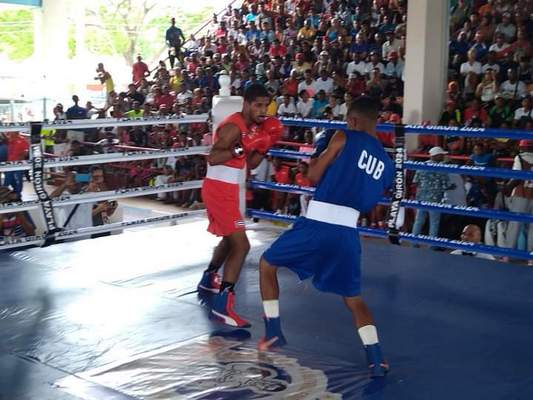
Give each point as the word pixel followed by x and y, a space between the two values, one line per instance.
pixel 236 119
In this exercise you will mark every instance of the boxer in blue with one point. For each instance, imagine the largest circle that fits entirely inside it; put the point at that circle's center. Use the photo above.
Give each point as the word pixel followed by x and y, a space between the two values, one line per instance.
pixel 351 174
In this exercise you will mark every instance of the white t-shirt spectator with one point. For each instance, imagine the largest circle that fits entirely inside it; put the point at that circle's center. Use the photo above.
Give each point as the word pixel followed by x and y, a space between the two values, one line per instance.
pixel 264 171
pixel 369 67
pixel 310 87
pixel 303 109
pixel 183 96
pixel 494 67
pixel 335 110
pixel 517 165
pixel 497 48
pixel 387 47
pixel 325 85
pixel 286 111
pixel 466 67
pixel 509 31
pixel 507 89
pixel 343 109
pixel 359 67
pixel 521 112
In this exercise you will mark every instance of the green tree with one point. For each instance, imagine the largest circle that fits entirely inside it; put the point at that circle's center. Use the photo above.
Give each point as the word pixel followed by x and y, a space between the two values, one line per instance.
pixel 128 27
pixel 16 33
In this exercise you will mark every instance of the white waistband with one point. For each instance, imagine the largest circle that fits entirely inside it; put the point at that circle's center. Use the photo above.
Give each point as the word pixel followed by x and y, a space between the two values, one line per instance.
pixel 332 214
pixel 225 174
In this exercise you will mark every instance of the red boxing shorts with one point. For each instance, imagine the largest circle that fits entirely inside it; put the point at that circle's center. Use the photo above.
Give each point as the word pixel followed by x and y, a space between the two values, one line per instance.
pixel 221 201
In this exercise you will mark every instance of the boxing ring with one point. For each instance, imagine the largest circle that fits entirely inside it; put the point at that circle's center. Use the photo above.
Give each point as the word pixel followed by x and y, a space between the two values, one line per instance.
pixel 118 317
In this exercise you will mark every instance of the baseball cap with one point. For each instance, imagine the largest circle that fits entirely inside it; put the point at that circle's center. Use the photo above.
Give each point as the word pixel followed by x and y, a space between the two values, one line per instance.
pixel 525 143
pixel 437 150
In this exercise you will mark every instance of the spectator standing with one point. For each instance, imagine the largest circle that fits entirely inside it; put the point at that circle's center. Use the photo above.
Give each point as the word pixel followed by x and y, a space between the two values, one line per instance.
pixel 174 39
pixel 430 187
pixel 17 150
pixel 139 70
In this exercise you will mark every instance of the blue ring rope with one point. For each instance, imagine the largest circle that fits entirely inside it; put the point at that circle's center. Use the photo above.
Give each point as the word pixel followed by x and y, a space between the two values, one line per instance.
pixel 422 239
pixel 424 205
pixel 429 166
pixel 417 129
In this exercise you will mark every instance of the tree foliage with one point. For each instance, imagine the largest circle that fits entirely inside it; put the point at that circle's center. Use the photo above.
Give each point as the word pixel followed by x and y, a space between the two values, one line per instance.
pixel 129 27
pixel 16 33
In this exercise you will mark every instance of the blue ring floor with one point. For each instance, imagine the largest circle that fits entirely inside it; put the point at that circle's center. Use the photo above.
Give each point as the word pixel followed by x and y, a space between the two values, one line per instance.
pixel 114 318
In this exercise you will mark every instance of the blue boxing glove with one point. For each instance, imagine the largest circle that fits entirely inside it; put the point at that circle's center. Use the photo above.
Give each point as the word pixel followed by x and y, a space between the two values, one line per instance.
pixel 322 142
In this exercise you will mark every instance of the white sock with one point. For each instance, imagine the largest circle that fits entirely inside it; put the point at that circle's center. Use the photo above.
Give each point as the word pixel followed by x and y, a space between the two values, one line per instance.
pixel 271 308
pixel 368 334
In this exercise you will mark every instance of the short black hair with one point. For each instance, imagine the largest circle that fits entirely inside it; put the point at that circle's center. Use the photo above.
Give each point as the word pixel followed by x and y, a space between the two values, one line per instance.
pixel 366 106
pixel 255 90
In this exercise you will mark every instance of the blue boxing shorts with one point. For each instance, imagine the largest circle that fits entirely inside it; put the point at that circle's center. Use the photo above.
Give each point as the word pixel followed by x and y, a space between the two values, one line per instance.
pixel 329 253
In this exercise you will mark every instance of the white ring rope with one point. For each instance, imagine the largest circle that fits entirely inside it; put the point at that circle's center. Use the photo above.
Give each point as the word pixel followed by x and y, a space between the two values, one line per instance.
pixel 133 155
pixel 94 197
pixel 105 122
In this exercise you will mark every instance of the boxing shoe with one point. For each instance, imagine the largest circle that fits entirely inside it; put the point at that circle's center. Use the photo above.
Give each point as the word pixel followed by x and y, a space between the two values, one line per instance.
pixel 273 335
pixel 210 282
pixel 223 310
pixel 377 365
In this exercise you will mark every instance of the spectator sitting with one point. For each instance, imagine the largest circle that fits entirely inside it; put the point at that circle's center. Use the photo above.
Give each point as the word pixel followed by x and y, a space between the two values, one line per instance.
pixel 476 112
pixel 287 109
pixel 319 104
pixel 512 88
pixel 304 106
pixel 73 216
pixel 165 177
pixel 480 157
pixel 500 113
pixel 450 112
pixel 524 114
pixel 472 234
pixel 16 224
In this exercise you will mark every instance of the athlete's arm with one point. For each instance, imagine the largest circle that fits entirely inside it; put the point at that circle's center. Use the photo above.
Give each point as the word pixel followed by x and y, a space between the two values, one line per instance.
pixel 223 149
pixel 254 159
pixel 318 165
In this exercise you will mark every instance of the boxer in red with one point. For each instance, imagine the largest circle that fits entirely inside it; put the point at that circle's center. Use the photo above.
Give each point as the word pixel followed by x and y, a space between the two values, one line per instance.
pixel 240 142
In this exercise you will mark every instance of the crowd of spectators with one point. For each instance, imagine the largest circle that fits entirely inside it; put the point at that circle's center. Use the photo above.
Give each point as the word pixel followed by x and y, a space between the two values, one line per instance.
pixel 314 56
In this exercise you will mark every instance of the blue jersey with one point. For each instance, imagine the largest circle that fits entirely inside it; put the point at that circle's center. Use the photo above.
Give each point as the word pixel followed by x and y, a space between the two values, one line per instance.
pixel 359 175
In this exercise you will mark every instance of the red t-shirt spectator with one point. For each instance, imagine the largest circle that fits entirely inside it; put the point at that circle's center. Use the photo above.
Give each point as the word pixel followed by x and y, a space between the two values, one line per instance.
pixel 282 174
pixel 166 99
pixel 291 86
pixel 17 148
pixel 277 51
pixel 480 114
pixel 138 71
pixel 302 180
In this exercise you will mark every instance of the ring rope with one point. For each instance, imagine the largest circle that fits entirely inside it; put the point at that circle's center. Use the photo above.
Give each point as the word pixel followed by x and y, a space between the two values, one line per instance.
pixel 93 197
pixel 421 239
pixel 105 123
pixel 425 205
pixel 417 129
pixel 66 161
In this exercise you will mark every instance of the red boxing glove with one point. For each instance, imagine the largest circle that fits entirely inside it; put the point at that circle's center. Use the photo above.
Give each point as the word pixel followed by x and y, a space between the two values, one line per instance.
pixel 256 140
pixel 273 128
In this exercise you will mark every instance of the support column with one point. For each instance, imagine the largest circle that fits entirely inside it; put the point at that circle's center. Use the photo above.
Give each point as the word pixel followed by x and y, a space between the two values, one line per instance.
pixel 51 43
pixel 426 62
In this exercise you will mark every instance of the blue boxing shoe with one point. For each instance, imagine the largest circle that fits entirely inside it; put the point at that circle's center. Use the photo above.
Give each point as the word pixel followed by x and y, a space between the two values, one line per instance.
pixel 210 282
pixel 273 335
pixel 223 310
pixel 377 365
